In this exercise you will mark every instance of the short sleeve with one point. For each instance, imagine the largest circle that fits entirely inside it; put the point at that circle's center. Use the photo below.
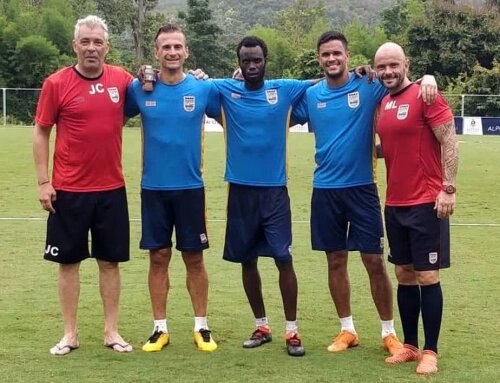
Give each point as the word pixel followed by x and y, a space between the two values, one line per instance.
pixel 298 89
pixel 47 109
pixel 213 106
pixel 437 113
pixel 131 106
pixel 300 114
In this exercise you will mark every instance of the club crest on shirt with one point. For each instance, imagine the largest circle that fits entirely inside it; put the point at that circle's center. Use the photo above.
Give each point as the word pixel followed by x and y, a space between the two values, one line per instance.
pixel 353 99
pixel 189 103
pixel 433 257
pixel 114 95
pixel 403 111
pixel 272 96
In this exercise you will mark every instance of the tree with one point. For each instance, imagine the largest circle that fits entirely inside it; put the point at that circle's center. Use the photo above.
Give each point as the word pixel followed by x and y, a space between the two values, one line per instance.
pixel 306 66
pixel 301 21
pixel 363 41
pixel 451 39
pixel 128 15
pixel 58 28
pixel 480 81
pixel 395 20
pixel 494 5
pixel 35 57
pixel 205 49
pixel 280 53
pixel 82 8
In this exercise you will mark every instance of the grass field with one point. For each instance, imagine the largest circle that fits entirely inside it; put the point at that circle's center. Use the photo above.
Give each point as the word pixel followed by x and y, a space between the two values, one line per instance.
pixel 30 321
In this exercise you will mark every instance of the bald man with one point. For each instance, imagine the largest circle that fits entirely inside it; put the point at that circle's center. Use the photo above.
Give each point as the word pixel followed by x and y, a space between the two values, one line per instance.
pixel 421 155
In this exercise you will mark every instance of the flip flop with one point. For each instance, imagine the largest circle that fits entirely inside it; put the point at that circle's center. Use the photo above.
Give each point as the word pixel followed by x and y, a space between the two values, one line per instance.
pixel 119 347
pixel 62 349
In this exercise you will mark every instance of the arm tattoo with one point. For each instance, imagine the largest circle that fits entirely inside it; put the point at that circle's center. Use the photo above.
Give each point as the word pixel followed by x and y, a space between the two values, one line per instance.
pixel 445 134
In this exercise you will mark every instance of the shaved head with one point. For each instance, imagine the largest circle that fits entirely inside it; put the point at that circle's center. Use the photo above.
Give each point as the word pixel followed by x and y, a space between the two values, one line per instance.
pixel 392 67
pixel 392 49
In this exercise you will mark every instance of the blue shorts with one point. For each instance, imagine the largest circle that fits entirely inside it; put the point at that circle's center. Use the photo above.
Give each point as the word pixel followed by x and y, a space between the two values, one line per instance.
pixel 102 213
pixel 259 223
pixel 162 210
pixel 347 219
pixel 417 236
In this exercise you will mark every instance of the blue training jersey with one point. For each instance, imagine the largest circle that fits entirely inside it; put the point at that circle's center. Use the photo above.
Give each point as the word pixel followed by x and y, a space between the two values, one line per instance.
pixel 256 129
pixel 173 130
pixel 342 121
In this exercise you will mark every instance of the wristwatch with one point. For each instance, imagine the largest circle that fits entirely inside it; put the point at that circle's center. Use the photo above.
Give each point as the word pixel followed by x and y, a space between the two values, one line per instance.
pixel 449 189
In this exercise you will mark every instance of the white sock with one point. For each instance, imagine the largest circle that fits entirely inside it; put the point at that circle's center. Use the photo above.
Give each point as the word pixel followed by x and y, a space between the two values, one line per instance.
pixel 160 325
pixel 387 327
pixel 347 324
pixel 291 326
pixel 261 322
pixel 199 323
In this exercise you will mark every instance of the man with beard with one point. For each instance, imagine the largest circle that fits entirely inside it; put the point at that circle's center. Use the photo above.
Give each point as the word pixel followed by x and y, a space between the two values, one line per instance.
pixel 421 155
pixel 345 206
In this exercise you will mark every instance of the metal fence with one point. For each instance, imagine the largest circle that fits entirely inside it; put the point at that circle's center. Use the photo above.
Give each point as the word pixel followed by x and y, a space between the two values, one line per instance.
pixel 19 105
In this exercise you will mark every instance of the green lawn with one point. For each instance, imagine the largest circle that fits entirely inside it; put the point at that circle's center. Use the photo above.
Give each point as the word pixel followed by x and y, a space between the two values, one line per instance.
pixel 30 322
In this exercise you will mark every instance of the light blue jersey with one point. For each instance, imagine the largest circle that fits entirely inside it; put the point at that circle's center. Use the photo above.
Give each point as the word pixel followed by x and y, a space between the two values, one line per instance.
pixel 256 127
pixel 342 121
pixel 172 119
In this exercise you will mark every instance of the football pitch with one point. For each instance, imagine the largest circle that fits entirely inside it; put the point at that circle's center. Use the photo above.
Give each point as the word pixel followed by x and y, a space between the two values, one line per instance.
pixel 30 321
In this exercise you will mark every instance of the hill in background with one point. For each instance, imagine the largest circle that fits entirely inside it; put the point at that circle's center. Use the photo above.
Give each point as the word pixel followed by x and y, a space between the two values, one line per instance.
pixel 261 11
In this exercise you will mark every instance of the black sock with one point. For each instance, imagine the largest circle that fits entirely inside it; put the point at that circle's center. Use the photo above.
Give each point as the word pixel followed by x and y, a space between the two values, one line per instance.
pixel 409 311
pixel 432 313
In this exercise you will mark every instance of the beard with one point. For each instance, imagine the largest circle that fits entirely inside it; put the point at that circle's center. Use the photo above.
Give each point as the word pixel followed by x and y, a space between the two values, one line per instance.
pixel 396 81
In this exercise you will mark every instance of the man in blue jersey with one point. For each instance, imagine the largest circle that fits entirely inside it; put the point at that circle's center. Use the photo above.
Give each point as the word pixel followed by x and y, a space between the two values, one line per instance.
pixel 172 192
pixel 345 206
pixel 255 115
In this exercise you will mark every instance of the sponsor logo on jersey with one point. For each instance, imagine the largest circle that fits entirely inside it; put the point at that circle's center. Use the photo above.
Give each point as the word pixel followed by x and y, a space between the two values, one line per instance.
pixel 272 96
pixel 52 250
pixel 235 95
pixel 390 105
pixel 151 103
pixel 353 99
pixel 114 95
pixel 203 238
pixel 403 111
pixel 433 257
pixel 189 103
pixel 321 105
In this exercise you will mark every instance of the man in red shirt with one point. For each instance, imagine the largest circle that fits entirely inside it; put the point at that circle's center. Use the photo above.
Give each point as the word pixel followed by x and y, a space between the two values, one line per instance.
pixel 421 156
pixel 87 188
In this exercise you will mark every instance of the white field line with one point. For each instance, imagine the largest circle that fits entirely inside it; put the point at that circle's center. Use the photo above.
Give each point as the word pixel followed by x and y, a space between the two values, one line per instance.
pixel 25 219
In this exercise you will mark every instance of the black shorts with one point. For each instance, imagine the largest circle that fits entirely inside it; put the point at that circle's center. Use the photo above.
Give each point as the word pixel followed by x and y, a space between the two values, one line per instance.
pixel 161 210
pixel 104 214
pixel 259 223
pixel 417 236
pixel 347 219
